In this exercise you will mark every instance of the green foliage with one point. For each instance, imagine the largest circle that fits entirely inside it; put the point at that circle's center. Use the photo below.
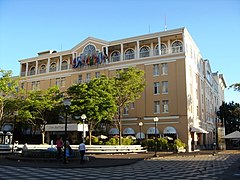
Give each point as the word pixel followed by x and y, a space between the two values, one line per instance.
pixel 129 83
pixel 38 105
pixel 8 94
pixel 235 86
pixel 95 99
pixel 229 114
pixel 178 143
pixel 162 143
pixel 113 141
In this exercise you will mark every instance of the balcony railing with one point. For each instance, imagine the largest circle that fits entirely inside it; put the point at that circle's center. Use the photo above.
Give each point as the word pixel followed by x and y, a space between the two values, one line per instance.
pixel 32 73
pixel 144 54
pixel 129 56
pixel 41 71
pixel 177 49
pixel 115 58
pixel 64 67
pixel 52 69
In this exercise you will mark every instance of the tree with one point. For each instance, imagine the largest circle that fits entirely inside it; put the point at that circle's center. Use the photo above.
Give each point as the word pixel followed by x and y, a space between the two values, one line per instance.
pixel 8 93
pixel 38 105
pixel 130 83
pixel 235 86
pixel 229 114
pixel 95 99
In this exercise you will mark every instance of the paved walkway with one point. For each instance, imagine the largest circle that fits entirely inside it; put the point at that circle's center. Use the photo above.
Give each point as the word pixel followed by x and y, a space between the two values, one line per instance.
pixel 202 165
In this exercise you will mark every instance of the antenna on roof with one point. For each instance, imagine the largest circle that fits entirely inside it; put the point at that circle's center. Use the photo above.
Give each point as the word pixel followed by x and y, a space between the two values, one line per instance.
pixel 165 23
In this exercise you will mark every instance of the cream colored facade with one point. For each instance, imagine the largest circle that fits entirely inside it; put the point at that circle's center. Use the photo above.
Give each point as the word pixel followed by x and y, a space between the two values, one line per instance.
pixel 181 90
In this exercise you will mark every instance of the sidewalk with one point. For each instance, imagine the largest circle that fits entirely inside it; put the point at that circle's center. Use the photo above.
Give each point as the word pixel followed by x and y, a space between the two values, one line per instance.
pixel 102 160
pixel 95 161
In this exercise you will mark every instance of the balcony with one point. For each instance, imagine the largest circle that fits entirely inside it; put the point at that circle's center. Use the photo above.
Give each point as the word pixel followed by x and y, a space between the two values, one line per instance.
pixel 129 56
pixel 52 69
pixel 64 67
pixel 144 54
pixel 115 58
pixel 177 49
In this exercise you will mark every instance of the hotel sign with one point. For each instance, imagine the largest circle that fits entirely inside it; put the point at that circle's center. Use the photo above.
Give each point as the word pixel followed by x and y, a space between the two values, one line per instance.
pixel 70 127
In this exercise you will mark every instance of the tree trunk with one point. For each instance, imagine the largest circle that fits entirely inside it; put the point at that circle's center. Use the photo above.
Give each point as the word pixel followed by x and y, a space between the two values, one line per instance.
pixel 43 137
pixel 90 133
pixel 120 126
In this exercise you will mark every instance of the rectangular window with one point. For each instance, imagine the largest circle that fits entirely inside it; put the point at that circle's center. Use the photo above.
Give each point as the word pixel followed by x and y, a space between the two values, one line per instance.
pixel 164 68
pixel 37 85
pixel 165 87
pixel 88 77
pixel 156 107
pixel 156 70
pixel 80 80
pixel 97 74
pixel 132 105
pixel 165 106
pixel 125 111
pixel 156 88
pixel 58 82
pixel 63 82
pixel 33 85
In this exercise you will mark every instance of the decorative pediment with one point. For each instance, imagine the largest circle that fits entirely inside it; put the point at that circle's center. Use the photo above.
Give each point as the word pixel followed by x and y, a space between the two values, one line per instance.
pixel 90 40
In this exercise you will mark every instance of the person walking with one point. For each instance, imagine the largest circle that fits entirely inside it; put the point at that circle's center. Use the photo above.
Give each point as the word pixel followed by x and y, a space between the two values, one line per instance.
pixel 59 144
pixel 82 150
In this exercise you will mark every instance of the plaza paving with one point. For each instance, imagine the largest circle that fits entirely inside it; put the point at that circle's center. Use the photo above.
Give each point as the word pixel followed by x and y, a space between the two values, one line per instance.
pixel 224 165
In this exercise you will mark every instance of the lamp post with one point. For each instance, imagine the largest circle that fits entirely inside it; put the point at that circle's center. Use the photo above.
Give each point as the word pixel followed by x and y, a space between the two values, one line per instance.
pixel 140 125
pixel 155 120
pixel 67 103
pixel 83 117
pixel 13 130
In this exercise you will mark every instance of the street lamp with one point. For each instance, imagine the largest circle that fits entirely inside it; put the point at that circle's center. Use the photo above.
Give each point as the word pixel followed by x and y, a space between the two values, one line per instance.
pixel 155 120
pixel 83 117
pixel 67 103
pixel 140 125
pixel 15 118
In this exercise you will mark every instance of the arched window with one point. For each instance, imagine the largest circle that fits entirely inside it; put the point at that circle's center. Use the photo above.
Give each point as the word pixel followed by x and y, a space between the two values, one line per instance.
pixel 144 52
pixel 156 51
pixel 163 49
pixel 32 70
pixel 53 67
pixel 115 56
pixel 129 54
pixel 42 68
pixel 89 49
pixel 64 65
pixel 177 47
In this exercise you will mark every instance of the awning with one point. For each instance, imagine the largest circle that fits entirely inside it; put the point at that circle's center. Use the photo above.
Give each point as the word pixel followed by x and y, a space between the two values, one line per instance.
pixel 7 127
pixel 198 130
pixel 113 131
pixel 142 135
pixel 233 135
pixel 151 130
pixel 128 131
pixel 169 130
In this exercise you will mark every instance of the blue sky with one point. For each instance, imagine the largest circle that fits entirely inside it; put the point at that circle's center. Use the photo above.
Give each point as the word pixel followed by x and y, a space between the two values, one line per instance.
pixel 31 26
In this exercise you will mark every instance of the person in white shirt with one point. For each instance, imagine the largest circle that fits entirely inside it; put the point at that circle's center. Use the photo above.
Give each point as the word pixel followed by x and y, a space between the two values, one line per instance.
pixel 82 149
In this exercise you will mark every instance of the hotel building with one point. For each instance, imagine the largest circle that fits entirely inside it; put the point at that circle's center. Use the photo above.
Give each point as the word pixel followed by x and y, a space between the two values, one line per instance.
pixel 181 89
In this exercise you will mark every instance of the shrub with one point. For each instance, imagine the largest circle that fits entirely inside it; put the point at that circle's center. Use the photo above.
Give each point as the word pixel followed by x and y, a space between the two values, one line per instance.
pixel 178 143
pixel 162 143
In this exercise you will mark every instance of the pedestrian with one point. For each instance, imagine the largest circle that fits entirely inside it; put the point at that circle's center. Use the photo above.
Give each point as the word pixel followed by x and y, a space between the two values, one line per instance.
pixel 68 151
pixel 82 149
pixel 59 144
